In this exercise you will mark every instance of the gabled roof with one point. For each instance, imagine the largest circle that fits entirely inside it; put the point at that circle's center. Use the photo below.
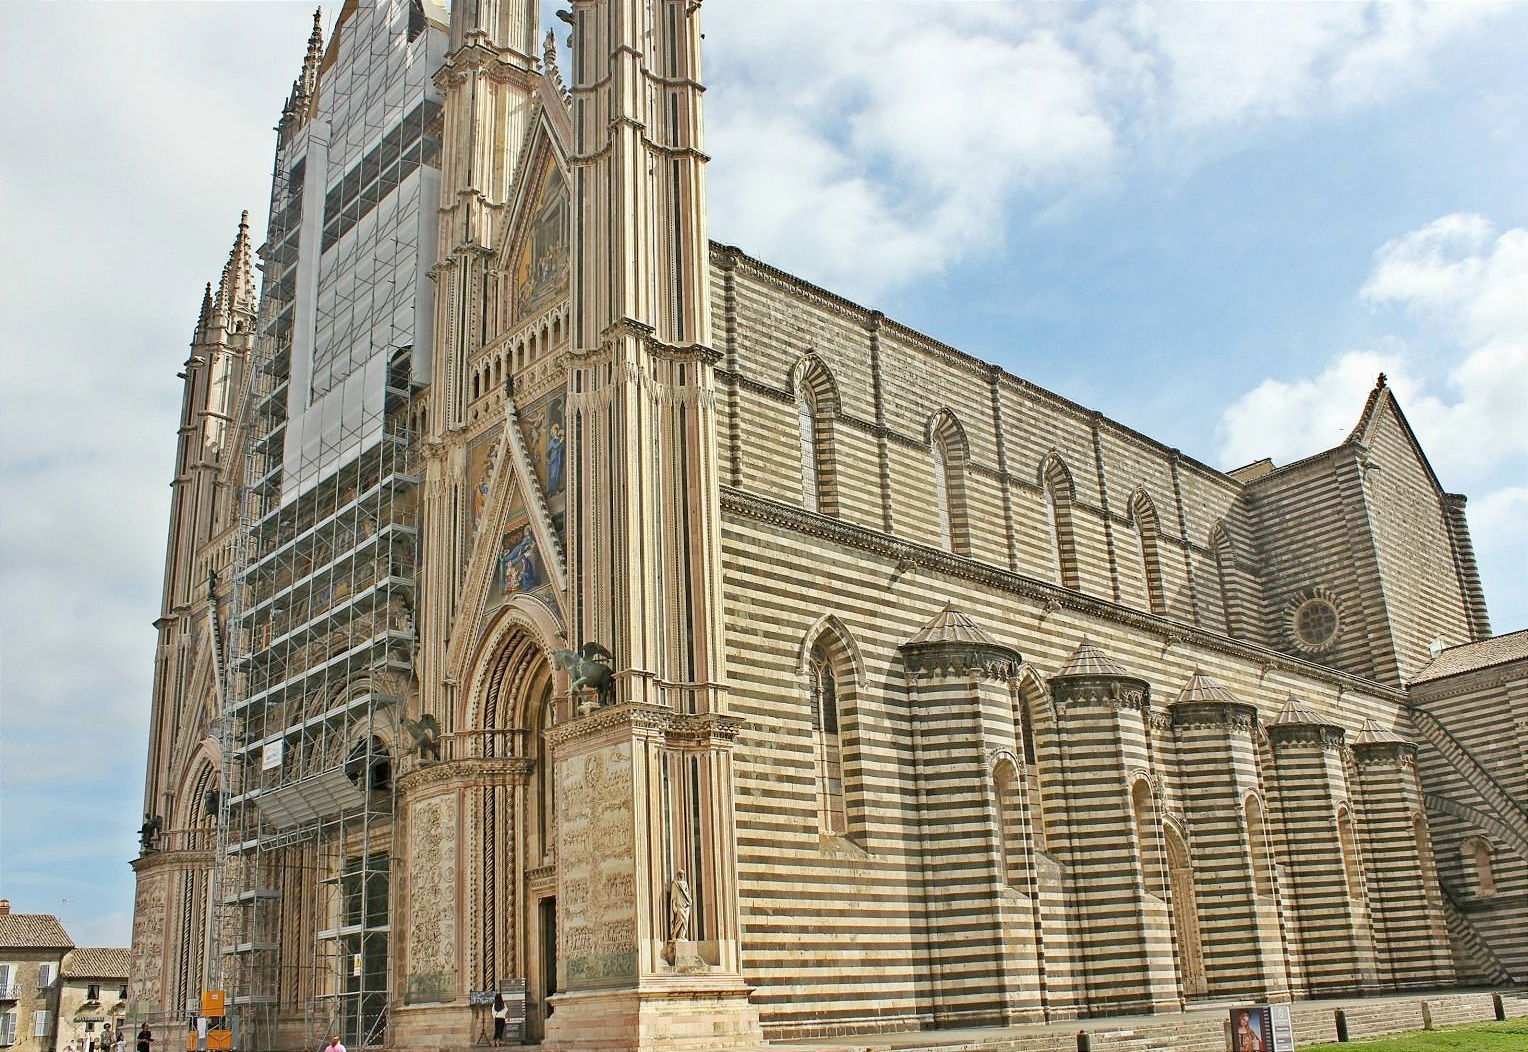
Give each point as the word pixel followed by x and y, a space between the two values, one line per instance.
pixel 1382 397
pixel 1296 713
pixel 950 626
pixel 32 931
pixel 1467 657
pixel 98 962
pixel 1088 660
pixel 1201 687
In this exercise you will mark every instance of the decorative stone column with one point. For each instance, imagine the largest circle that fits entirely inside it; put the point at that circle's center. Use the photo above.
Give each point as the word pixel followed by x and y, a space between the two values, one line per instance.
pixel 1410 933
pixel 979 884
pixel 1327 905
pixel 647 909
pixel 1232 854
pixel 439 843
pixel 1124 941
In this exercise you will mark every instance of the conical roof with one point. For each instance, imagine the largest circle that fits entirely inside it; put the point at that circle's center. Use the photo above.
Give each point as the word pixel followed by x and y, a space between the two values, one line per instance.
pixel 1297 713
pixel 1371 733
pixel 1088 660
pixel 1201 687
pixel 950 625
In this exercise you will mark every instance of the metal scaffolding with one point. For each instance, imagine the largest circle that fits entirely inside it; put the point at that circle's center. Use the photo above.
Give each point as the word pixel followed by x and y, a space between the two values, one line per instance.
pixel 320 624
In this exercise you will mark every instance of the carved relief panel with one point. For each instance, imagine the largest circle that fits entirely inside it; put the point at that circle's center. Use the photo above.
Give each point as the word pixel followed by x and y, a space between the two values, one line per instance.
pixel 596 898
pixel 431 968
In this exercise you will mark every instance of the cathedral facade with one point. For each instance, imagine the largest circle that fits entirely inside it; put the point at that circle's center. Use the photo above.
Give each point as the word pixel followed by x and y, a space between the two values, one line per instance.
pixel 565 606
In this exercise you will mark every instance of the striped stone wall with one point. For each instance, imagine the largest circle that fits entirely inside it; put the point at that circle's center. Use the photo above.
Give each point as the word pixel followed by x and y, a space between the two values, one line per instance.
pixel 1473 766
pixel 908 918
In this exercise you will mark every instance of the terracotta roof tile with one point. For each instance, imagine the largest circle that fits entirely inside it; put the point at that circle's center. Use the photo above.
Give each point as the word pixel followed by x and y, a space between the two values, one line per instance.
pixel 32 931
pixel 1467 657
pixel 98 962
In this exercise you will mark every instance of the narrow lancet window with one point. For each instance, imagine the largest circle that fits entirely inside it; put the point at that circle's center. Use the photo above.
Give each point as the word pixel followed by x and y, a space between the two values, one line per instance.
pixel 831 816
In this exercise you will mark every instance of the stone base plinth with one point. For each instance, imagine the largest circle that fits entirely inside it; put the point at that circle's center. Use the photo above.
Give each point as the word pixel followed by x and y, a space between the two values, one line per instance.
pixel 434 1026
pixel 660 1016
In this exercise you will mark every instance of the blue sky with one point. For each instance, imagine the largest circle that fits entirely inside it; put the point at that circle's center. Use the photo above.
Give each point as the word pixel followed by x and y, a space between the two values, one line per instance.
pixel 1214 222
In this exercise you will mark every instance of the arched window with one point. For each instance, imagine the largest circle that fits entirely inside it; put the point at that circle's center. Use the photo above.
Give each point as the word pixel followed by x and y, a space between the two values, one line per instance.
pixel 1029 701
pixel 1143 514
pixel 1477 859
pixel 942 496
pixel 1225 568
pixel 1012 841
pixel 1257 847
pixel 831 817
pixel 1148 837
pixel 806 418
pixel 1059 496
pixel 1180 879
pixel 1347 840
pixel 947 444
pixel 816 406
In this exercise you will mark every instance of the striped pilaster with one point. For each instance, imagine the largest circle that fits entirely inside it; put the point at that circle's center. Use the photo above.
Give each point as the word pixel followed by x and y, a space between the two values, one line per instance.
pixel 1239 920
pixel 1325 897
pixel 1410 933
pixel 978 873
pixel 1123 936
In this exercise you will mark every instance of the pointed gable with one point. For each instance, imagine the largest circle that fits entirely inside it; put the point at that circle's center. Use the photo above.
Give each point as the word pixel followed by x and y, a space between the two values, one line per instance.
pixel 1382 409
pixel 534 245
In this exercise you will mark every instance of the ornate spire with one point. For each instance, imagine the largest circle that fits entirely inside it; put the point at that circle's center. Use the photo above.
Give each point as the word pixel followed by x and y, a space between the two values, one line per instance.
pixel 308 81
pixel 204 319
pixel 549 64
pixel 236 288
pixel 306 84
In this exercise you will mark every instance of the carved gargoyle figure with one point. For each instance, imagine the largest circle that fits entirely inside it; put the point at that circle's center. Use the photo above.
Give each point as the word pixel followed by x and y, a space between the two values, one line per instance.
pixel 425 735
pixel 589 667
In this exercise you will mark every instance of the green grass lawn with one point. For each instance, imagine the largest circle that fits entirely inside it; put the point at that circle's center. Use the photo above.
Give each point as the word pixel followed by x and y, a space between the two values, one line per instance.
pixel 1511 1036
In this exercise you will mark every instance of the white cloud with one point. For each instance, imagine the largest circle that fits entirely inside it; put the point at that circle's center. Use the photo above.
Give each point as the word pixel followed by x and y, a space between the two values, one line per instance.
pixel 1463 288
pixel 870 166
pixel 1286 420
pixel 1468 288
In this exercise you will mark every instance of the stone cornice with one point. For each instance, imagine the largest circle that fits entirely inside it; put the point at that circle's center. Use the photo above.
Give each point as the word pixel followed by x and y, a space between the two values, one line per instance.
pixel 157 860
pixel 1325 736
pixel 676 728
pixel 1234 715
pixel 465 772
pixel 987 660
pixel 1385 754
pixel 790 517
pixel 1100 692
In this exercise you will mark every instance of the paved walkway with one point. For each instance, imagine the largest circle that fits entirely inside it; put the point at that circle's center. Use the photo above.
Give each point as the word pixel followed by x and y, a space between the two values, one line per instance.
pixel 1197 1028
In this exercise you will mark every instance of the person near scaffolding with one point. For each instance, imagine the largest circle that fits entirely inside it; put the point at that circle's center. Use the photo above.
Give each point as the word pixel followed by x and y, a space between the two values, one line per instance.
pixel 334 1044
pixel 145 1039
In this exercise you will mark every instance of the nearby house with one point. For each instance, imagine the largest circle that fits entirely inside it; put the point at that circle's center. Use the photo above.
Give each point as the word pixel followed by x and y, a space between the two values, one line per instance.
pixel 32 949
pixel 92 996
pixel 53 993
